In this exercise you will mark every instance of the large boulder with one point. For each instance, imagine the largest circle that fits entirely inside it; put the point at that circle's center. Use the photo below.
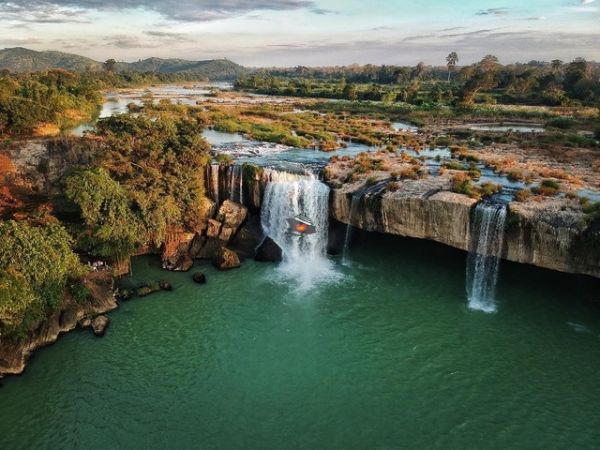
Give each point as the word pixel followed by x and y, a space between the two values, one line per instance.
pixel 231 215
pixel 269 251
pixel 176 251
pixel 99 325
pixel 248 238
pixel 226 259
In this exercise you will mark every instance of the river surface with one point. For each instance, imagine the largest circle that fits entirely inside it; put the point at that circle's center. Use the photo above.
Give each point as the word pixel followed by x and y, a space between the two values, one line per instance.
pixel 387 355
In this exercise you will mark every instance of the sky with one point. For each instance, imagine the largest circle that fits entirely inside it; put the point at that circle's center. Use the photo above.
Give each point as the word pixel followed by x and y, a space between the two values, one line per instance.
pixel 259 33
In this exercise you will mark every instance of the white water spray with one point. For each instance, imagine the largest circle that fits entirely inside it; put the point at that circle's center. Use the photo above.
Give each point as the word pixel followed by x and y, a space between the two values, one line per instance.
pixel 304 257
pixel 484 258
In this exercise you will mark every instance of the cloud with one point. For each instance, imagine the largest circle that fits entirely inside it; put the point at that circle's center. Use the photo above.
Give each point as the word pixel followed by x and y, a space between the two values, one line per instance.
pixel 536 18
pixel 587 2
pixel 177 10
pixel 492 12
pixel 40 12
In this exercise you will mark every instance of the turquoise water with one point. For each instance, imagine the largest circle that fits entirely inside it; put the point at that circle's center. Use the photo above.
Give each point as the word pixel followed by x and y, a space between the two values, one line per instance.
pixel 388 357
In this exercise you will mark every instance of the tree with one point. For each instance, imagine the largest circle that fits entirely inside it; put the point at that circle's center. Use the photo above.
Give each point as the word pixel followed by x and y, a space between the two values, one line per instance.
pixel 350 92
pixel 111 228
pixel 556 64
pixel 451 61
pixel 482 76
pixel 109 65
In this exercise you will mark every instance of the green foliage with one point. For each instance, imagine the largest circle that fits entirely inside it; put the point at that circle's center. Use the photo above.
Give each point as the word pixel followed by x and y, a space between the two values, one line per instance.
pixel 35 264
pixel 160 164
pixel 54 97
pixel 111 229
pixel 79 292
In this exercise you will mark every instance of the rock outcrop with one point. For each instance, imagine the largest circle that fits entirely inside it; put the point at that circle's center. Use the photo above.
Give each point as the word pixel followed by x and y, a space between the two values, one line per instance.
pixel 269 251
pixel 99 325
pixel 226 259
pixel 546 235
pixel 181 248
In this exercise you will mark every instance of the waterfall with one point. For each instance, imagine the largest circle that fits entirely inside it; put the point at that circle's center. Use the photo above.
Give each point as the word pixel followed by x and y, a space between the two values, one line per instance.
pixel 487 237
pixel 349 227
pixel 235 183
pixel 304 257
pixel 212 177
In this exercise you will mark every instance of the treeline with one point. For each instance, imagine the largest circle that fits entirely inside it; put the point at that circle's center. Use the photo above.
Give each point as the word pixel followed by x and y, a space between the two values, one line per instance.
pixel 535 83
pixel 55 97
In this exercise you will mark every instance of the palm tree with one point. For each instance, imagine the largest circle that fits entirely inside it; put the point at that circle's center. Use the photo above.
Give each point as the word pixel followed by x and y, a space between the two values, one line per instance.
pixel 451 61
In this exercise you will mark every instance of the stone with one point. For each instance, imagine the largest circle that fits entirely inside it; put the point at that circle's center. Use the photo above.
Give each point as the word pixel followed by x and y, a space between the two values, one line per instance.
pixel 268 251
pixel 248 238
pixel 226 259
pixel 199 278
pixel 209 249
pixel 214 228
pixel 99 325
pixel 232 214
pixel 86 322
pixel 165 285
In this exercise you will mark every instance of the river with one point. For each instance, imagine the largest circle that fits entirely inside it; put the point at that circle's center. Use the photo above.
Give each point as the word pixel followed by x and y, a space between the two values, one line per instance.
pixel 388 355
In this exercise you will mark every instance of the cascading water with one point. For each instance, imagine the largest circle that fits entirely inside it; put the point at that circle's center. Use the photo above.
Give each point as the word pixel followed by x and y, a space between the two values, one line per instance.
pixel 484 258
pixel 304 257
pixel 353 208
pixel 235 182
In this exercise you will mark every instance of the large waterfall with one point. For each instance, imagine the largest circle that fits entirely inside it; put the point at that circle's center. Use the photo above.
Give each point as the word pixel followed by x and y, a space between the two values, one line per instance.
pixel 487 236
pixel 304 257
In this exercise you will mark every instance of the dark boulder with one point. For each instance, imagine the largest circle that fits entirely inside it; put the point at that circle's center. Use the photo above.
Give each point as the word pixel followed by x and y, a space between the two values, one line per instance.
pixel 269 251
pixel 199 278
pixel 165 285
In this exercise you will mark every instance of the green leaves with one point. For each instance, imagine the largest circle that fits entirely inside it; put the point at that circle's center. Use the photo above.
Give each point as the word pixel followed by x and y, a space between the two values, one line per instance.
pixel 35 264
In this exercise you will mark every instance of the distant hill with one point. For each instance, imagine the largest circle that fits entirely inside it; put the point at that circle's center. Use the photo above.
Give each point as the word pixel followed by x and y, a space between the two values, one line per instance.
pixel 212 69
pixel 24 60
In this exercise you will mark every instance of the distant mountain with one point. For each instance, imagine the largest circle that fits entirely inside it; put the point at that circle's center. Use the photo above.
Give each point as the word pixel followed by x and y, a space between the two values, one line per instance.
pixel 24 60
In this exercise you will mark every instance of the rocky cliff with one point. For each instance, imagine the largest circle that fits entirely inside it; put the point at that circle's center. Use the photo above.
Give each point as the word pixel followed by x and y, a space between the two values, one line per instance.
pixel 14 356
pixel 548 234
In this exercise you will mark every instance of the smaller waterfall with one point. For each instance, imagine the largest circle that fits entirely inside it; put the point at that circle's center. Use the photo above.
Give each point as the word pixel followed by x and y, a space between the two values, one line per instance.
pixel 487 237
pixel 235 183
pixel 212 177
pixel 349 227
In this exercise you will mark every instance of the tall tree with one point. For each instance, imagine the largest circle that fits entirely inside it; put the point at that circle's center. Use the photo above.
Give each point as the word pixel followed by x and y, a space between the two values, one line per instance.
pixel 451 61
pixel 109 65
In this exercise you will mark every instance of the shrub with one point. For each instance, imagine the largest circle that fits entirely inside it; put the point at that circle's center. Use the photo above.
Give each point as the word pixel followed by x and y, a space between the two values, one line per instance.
pixel 563 123
pixel 79 292
pixel 489 189
pixel 522 195
pixel 371 181
pixel 462 184
pixel 547 188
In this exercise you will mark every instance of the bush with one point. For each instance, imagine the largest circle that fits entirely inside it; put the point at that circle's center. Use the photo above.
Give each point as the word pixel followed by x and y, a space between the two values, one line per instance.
pixel 35 264
pixel 522 195
pixel 563 123
pixel 371 181
pixel 79 292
